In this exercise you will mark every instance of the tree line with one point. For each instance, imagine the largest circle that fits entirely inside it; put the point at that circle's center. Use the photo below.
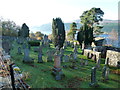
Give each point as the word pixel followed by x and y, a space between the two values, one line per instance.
pixel 90 26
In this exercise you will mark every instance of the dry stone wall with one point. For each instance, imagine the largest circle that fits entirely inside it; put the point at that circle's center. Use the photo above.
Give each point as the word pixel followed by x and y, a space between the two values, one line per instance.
pixel 90 54
pixel 112 58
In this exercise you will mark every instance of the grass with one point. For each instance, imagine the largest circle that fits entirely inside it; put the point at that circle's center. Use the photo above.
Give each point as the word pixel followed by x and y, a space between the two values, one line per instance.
pixel 40 73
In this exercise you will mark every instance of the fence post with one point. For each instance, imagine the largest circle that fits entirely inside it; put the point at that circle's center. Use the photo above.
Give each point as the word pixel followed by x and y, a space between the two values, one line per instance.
pixel 12 76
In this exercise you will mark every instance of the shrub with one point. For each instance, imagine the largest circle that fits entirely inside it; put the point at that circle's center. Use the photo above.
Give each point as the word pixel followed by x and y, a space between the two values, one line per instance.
pixel 34 43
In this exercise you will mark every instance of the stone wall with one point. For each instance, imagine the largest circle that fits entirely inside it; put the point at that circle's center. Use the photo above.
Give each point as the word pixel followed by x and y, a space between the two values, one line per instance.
pixel 92 54
pixel 112 58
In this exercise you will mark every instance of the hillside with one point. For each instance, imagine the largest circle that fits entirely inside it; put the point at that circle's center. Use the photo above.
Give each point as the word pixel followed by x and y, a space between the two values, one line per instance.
pixel 47 28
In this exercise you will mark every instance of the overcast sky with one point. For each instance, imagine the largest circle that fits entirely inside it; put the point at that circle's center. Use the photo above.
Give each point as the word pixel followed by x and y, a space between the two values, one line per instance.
pixel 38 12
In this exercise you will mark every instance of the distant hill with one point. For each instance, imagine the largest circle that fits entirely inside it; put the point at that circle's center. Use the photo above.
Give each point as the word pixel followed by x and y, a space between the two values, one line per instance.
pixel 47 28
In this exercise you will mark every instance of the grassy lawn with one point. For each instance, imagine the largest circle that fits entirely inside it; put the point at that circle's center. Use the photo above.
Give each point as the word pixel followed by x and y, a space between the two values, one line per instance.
pixel 40 73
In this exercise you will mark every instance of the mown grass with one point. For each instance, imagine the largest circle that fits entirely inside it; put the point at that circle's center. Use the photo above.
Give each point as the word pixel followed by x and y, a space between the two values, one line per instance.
pixel 41 77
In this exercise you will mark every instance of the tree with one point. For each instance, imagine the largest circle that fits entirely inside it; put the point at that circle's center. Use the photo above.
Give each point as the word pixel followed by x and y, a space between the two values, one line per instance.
pixel 24 31
pixel 90 20
pixel 9 28
pixel 58 32
pixel 72 32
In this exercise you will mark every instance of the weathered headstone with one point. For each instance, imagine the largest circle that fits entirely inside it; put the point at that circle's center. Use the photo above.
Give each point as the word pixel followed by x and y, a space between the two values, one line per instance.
pixel 75 56
pixel 49 56
pixel 66 58
pixel 82 62
pixel 24 45
pixel 75 49
pixel 6 46
pixel 40 57
pixel 98 63
pixel 57 71
pixel 61 54
pixel 26 56
pixel 86 62
pixel 93 78
pixel 105 73
pixel 19 50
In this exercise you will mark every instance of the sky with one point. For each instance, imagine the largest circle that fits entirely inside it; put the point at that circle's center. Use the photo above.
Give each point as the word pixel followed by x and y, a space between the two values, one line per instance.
pixel 38 12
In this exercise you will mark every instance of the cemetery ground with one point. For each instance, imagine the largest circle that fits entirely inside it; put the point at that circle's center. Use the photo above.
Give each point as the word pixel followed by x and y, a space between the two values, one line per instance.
pixel 38 75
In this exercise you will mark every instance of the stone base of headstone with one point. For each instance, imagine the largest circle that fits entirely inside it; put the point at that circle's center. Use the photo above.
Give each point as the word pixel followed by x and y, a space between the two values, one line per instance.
pixel 57 72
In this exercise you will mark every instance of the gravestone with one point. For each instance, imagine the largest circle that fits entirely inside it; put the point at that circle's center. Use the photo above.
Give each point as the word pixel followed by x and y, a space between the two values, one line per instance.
pixel 86 62
pixel 75 56
pixel 6 46
pixel 19 50
pixel 40 57
pixel 26 56
pixel 75 49
pixel 82 62
pixel 24 45
pixel 98 63
pixel 66 58
pixel 49 56
pixel 57 71
pixel 61 54
pixel 93 78
pixel 105 73
pixel 71 57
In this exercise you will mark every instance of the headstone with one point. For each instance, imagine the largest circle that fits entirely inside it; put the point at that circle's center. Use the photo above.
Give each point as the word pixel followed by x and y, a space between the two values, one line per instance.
pixel 6 46
pixel 49 56
pixel 66 58
pixel 86 62
pixel 93 78
pixel 98 63
pixel 57 71
pixel 24 45
pixel 26 56
pixel 19 50
pixel 75 49
pixel 71 57
pixel 82 62
pixel 61 54
pixel 75 56
pixel 40 57
pixel 105 73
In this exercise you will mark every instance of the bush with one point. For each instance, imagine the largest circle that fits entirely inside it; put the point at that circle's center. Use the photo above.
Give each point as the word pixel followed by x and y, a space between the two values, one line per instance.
pixel 34 43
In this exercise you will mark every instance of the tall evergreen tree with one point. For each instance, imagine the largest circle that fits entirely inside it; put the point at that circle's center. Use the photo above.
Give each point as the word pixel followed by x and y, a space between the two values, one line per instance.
pixel 24 32
pixel 58 32
pixel 90 19
pixel 72 32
